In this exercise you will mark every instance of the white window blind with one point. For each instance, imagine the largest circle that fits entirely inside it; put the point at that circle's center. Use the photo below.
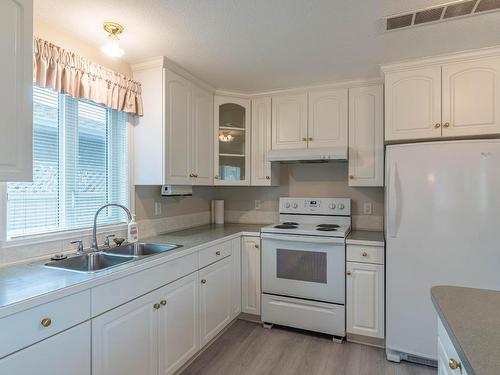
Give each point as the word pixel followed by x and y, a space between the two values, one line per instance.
pixel 80 162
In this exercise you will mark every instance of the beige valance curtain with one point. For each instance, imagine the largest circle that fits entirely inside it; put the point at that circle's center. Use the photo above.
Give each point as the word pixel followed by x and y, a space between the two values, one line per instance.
pixel 68 73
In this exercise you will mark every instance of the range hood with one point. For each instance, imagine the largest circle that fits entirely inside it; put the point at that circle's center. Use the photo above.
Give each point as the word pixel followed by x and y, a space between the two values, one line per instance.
pixel 307 154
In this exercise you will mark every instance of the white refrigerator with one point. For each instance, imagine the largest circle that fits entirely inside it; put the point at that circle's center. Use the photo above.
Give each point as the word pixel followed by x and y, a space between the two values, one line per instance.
pixel 442 210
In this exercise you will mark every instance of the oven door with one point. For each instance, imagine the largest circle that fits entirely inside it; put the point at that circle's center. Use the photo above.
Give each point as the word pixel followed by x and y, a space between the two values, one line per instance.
pixel 304 266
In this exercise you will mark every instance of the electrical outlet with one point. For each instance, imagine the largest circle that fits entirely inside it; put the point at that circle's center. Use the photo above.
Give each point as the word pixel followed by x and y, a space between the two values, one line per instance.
pixel 257 204
pixel 157 208
pixel 368 208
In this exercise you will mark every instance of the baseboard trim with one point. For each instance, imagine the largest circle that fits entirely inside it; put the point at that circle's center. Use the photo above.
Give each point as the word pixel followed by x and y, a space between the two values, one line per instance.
pixel 365 340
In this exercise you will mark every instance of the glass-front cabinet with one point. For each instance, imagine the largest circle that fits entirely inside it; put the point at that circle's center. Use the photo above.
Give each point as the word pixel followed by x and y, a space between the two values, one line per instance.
pixel 232 142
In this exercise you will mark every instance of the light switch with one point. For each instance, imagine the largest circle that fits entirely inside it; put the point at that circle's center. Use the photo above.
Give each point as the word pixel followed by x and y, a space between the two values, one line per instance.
pixel 257 204
pixel 368 208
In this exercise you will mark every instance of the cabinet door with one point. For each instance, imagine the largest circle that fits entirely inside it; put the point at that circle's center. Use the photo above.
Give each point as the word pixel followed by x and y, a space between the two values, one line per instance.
pixel 177 125
pixel 65 353
pixel 232 141
pixel 179 333
pixel 125 340
pixel 215 299
pixel 365 299
pixel 202 133
pixel 236 277
pixel 289 121
pixel 413 104
pixel 16 93
pixel 327 126
pixel 471 98
pixel 250 275
pixel 366 136
pixel 264 173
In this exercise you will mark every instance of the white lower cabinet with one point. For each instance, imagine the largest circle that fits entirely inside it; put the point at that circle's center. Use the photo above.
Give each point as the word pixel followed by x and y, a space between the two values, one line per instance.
pixel 215 298
pixel 449 363
pixel 250 275
pixel 65 353
pixel 153 334
pixel 365 299
pixel 236 281
pixel 125 340
pixel 179 332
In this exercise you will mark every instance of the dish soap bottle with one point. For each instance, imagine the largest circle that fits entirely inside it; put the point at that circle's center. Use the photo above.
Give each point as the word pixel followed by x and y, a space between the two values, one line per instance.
pixel 133 231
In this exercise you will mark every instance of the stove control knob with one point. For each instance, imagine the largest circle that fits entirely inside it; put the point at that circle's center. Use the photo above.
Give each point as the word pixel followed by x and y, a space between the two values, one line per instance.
pixel 341 206
pixel 332 206
pixel 295 205
pixel 287 205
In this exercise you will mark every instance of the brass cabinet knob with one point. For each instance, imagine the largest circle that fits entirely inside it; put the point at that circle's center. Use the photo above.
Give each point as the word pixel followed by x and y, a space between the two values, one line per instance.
pixel 310 138
pixel 437 126
pixel 268 177
pixel 256 245
pixel 156 306
pixel 348 273
pixel 304 139
pixel 195 175
pixel 453 364
pixel 351 177
pixel 191 175
pixel 163 302
pixel 446 125
pixel 364 253
pixel 217 252
pixel 216 177
pixel 203 281
pixel 46 322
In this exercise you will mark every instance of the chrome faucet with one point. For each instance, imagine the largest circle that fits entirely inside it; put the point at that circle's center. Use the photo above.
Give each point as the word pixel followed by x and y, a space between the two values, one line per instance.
pixel 95 247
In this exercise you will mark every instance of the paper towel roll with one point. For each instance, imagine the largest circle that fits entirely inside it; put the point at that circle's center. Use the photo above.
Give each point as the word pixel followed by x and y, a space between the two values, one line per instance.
pixel 219 211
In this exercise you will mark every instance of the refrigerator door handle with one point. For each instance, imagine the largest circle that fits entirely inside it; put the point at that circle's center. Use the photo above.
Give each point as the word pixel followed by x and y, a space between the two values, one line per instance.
pixel 392 213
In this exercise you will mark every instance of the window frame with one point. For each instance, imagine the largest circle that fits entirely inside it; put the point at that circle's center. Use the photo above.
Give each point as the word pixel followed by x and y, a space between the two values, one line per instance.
pixel 69 233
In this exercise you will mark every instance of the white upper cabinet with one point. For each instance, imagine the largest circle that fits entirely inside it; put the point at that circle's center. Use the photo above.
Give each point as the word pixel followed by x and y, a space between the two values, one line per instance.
pixel 366 136
pixel 202 133
pixel 471 98
pixel 232 141
pixel 171 140
pixel 447 96
pixel 16 92
pixel 264 173
pixel 177 135
pixel 413 104
pixel 327 126
pixel 289 121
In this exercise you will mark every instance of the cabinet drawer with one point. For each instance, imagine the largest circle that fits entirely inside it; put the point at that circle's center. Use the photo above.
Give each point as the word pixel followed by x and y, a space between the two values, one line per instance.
pixel 365 254
pixel 25 328
pixel 447 352
pixel 214 253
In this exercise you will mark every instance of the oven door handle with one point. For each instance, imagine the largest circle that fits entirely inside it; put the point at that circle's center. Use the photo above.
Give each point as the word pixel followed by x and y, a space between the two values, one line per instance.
pixel 308 239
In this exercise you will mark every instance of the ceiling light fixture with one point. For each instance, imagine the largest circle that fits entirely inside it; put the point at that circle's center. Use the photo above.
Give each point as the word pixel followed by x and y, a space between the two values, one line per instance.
pixel 226 137
pixel 112 48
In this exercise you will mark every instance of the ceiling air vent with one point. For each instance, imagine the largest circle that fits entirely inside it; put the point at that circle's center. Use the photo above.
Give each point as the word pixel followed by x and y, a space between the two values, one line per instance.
pixel 444 12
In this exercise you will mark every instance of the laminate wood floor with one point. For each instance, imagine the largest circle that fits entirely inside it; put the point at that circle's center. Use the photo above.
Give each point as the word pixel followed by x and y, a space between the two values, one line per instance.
pixel 249 349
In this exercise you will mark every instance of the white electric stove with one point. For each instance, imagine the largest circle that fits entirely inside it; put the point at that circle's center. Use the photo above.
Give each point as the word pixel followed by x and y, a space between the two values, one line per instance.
pixel 303 265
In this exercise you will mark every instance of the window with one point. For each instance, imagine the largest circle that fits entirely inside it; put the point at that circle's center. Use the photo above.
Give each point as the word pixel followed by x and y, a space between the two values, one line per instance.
pixel 80 162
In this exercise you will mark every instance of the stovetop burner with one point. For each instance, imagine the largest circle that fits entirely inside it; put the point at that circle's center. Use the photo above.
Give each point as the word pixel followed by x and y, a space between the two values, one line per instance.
pixel 286 226
pixel 327 226
pixel 326 229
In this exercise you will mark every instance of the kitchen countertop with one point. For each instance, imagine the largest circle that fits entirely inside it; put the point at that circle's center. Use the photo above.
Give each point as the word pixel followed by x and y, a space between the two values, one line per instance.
pixel 366 237
pixel 29 284
pixel 471 318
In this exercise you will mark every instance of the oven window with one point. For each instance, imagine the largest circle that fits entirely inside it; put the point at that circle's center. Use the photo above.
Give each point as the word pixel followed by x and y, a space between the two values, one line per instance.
pixel 301 265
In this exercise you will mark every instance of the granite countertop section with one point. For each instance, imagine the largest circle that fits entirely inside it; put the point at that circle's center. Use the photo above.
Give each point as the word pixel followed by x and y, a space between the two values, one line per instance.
pixel 366 237
pixel 29 284
pixel 472 319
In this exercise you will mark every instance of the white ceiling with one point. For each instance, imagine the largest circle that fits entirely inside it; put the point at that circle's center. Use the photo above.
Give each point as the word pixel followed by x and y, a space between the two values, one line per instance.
pixel 267 44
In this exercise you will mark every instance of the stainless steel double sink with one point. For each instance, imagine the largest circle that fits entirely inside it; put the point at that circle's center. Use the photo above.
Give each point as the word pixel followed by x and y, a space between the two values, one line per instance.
pixel 110 257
